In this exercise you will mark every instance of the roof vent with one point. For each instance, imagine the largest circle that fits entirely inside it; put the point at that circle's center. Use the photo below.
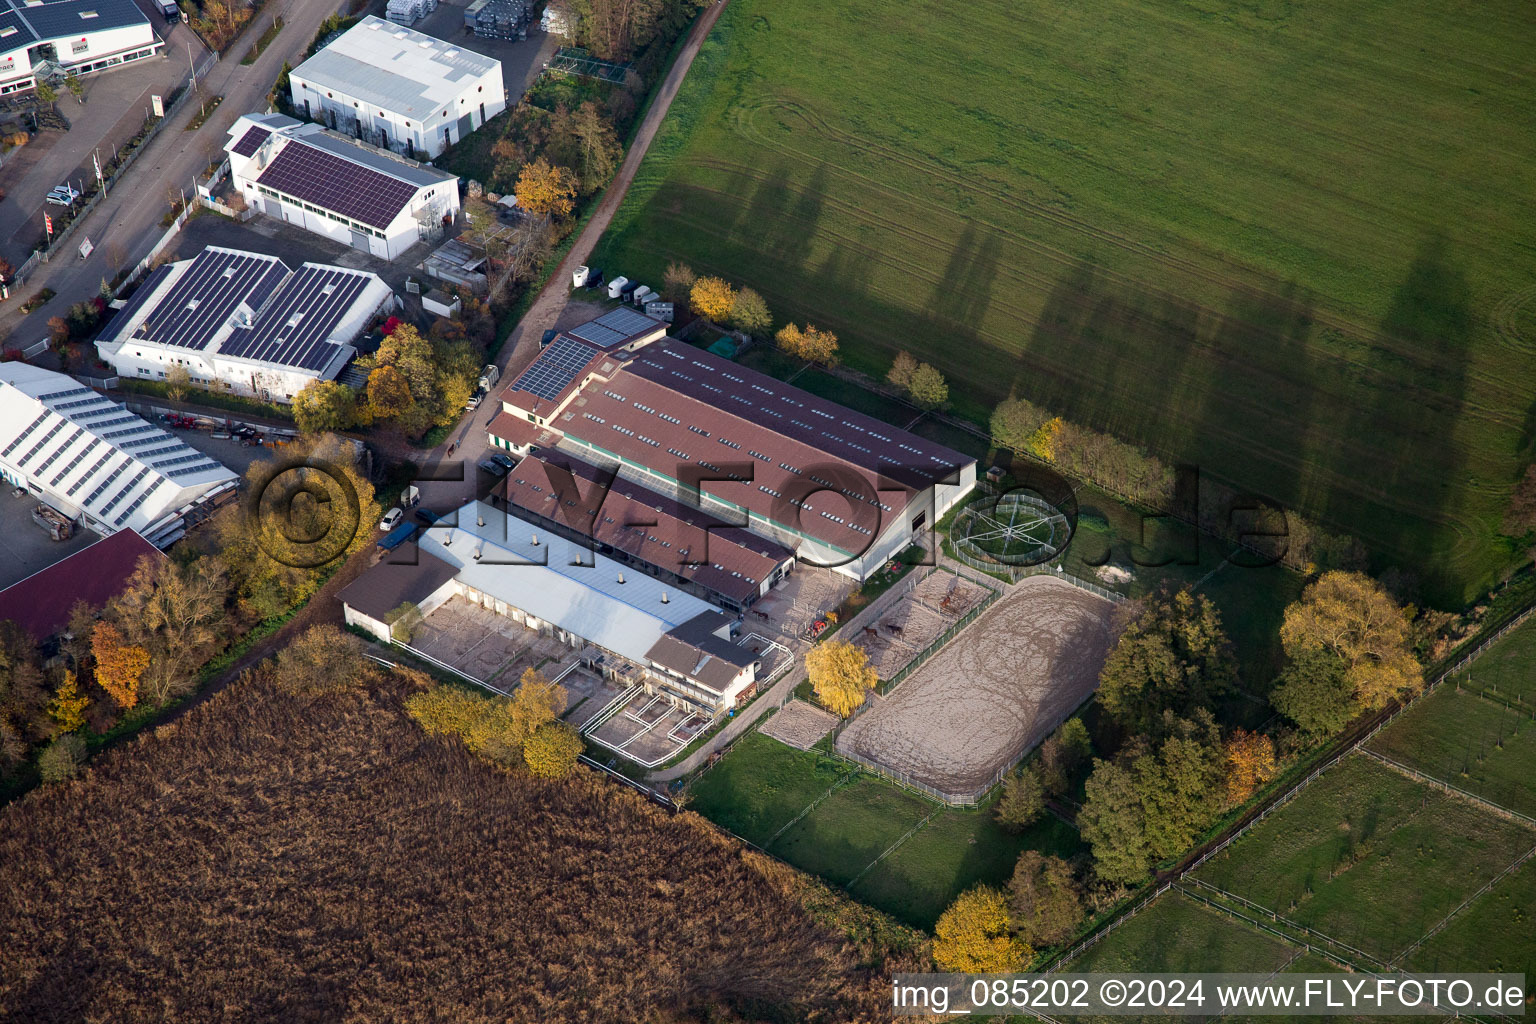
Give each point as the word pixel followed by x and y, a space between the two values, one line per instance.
pixel 664 598
pixel 535 540
pixel 621 577
pixel 477 554
pixel 447 538
pixel 450 53
pixel 425 44
pixel 373 27
pixel 479 520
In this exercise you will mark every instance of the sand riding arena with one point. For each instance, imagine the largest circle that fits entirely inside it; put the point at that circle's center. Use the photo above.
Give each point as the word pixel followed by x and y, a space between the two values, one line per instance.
pixel 968 713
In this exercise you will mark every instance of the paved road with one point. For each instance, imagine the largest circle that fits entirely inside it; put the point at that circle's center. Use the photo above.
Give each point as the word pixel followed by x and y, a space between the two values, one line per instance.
pixel 130 214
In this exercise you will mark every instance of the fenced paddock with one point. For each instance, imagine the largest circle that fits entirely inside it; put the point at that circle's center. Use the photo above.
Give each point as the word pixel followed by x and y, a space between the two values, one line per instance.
pixel 916 620
pixel 799 724
pixel 967 713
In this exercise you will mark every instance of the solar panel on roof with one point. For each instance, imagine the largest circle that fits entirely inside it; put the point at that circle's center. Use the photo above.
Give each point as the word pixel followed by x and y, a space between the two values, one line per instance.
pixel 251 141
pixel 207 294
pixel 338 185
pixel 274 338
pixel 614 327
pixel 555 368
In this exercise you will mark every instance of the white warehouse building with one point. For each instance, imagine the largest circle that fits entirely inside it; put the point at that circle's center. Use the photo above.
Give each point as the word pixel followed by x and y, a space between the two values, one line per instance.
pixel 99 464
pixel 398 88
pixel 335 186
pixel 43 39
pixel 243 319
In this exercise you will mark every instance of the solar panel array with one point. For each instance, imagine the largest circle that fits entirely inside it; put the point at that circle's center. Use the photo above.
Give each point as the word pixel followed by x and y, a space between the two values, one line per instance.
pixel 555 368
pixel 207 294
pixel 251 141
pixel 615 327
pixel 275 338
pixel 332 183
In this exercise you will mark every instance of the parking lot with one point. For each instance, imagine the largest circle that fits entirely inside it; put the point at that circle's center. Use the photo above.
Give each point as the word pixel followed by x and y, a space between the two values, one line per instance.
pixel 116 103
pixel 24 547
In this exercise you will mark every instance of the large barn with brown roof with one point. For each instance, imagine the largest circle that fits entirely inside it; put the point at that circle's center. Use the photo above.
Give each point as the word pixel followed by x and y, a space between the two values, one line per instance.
pixel 838 488
pixel 681 544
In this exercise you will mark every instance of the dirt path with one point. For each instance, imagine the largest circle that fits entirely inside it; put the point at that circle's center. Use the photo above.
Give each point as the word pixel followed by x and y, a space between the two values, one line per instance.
pixel 541 316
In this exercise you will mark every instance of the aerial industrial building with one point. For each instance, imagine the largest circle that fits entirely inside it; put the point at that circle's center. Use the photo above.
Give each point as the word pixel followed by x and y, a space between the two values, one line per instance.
pixel 335 186
pixel 634 628
pixel 840 489
pixel 42 40
pixel 398 88
pixel 244 320
pixel 99 464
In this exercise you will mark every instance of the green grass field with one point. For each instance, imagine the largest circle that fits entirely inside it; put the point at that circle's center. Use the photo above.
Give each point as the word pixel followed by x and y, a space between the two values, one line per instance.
pixel 1288 243
pixel 1368 857
pixel 1508 668
pixel 761 785
pixel 1471 743
pixel 848 830
pixel 1496 933
pixel 953 852
pixel 1179 934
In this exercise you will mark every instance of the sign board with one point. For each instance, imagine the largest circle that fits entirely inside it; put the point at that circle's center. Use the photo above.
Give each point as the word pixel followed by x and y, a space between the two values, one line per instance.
pixel 86 248
pixel 158 105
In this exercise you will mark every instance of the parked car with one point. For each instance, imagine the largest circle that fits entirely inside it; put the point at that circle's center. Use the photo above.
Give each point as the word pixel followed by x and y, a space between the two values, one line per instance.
pixel 474 401
pixel 505 461
pixel 391 519
pixel 64 195
pixel 492 467
pixel 426 517
pixel 489 376
pixel 548 337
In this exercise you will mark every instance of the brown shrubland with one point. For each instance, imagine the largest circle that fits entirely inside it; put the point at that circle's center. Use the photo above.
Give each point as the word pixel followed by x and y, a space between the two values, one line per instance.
pixel 276 857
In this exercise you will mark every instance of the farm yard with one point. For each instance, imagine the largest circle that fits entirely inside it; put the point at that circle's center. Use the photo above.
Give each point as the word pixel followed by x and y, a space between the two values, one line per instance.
pixel 994 691
pixel 902 854
pixel 1231 232
pixel 917 620
pixel 1374 865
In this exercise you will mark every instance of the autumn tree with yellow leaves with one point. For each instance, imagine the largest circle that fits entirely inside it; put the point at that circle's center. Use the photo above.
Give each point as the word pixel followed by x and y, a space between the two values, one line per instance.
pixel 546 188
pixel 973 935
pixel 67 709
pixel 712 298
pixel 810 343
pixel 1352 617
pixel 841 675
pixel 1250 762
pixel 552 750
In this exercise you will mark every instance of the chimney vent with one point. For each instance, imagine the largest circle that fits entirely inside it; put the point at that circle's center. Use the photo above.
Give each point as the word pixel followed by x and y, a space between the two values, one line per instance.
pixel 535 540
pixel 664 598
pixel 479 520
pixel 621 577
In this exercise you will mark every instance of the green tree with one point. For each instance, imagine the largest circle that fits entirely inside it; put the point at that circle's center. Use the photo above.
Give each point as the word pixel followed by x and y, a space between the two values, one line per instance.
pixel 177 380
pixel 749 312
pixel 323 406
pixel 1114 824
pixel 1045 899
pixel 1014 423
pixel 1173 656
pixel 1181 785
pixel 75 86
pixel 677 282
pixel 928 387
pixel 403 622
pixel 973 935
pixel 1063 755
pixel 46 93
pixel 599 144
pixel 1314 692
pixel 552 750
pixel 1023 800
pixel 62 759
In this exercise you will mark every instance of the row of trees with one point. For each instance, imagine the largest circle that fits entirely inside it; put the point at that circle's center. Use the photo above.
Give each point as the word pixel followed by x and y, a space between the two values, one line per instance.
pixel 615 29
pixel 994 930
pixel 524 728
pixel 921 382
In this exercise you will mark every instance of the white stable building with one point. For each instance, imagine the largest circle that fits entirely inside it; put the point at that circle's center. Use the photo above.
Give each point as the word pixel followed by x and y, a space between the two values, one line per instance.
pixel 633 626
pixel 398 88
pixel 244 320
pixel 41 39
pixel 333 185
pixel 96 462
